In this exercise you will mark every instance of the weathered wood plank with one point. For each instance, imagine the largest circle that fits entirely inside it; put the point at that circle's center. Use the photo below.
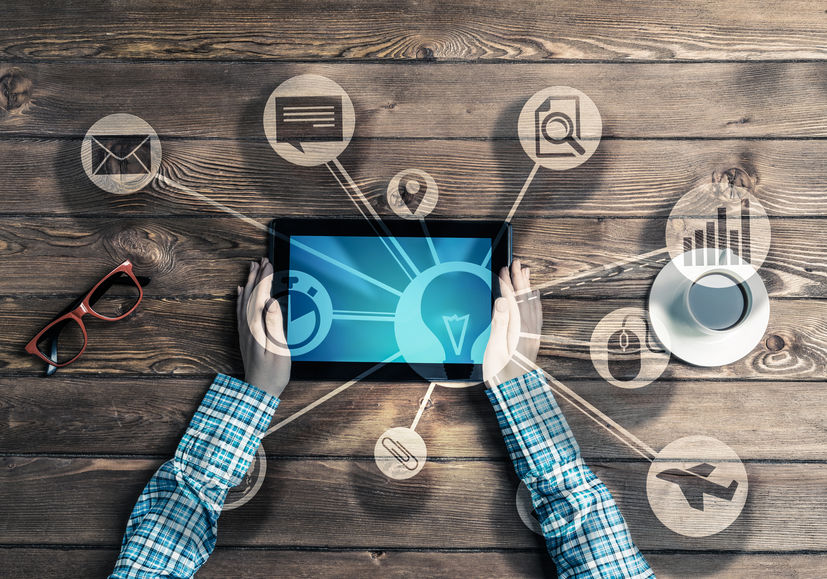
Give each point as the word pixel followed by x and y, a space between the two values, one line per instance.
pixel 195 335
pixel 25 563
pixel 478 179
pixel 465 30
pixel 208 257
pixel 200 99
pixel 347 503
pixel 128 415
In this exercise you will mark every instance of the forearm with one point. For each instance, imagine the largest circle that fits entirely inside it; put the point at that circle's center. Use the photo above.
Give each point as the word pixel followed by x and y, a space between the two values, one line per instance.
pixel 584 530
pixel 172 529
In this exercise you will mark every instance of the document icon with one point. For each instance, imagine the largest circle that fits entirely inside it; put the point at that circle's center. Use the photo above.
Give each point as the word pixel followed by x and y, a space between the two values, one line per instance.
pixel 308 118
pixel 121 155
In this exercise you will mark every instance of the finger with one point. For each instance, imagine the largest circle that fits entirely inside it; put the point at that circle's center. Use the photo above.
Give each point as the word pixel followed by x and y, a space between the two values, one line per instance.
pixel 262 290
pixel 260 273
pixel 516 269
pixel 239 292
pixel 496 351
pixel 255 315
pixel 248 287
pixel 518 278
pixel 505 282
pixel 531 313
pixel 507 291
pixel 273 321
pixel 267 269
pixel 499 324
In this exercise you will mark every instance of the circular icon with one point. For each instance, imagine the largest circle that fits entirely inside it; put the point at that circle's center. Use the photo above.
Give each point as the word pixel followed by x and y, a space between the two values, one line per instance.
pixel 525 508
pixel 559 128
pixel 309 120
pixel 697 486
pixel 400 453
pixel 307 311
pixel 718 225
pixel 251 483
pixel 121 153
pixel 625 351
pixel 713 319
pixel 412 194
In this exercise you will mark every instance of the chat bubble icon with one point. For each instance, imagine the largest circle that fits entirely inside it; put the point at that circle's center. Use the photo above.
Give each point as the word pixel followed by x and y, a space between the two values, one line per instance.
pixel 303 119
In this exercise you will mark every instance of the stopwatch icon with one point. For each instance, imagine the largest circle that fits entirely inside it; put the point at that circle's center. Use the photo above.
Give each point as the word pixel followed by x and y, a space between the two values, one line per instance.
pixel 306 307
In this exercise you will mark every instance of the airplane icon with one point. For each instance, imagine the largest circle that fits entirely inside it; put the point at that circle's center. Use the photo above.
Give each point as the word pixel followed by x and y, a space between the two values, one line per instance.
pixel 694 484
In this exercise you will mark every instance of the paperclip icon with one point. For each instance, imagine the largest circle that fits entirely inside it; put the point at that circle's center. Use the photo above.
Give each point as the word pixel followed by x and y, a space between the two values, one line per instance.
pixel 400 453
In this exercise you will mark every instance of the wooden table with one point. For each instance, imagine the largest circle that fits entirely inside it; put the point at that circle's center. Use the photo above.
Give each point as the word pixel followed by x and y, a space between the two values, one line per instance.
pixel 684 90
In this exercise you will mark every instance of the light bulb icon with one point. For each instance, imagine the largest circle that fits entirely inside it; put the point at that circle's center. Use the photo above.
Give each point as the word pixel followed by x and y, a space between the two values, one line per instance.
pixel 445 315
pixel 456 308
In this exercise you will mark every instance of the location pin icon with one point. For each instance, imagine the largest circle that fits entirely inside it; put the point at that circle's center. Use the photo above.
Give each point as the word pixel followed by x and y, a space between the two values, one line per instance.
pixel 411 191
pixel 412 194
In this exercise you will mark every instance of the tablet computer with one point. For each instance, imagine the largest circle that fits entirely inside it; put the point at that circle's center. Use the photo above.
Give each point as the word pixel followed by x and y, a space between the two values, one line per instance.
pixel 397 300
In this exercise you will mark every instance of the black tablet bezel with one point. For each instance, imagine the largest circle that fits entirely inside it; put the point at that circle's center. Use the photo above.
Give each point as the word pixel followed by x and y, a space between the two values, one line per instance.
pixel 281 229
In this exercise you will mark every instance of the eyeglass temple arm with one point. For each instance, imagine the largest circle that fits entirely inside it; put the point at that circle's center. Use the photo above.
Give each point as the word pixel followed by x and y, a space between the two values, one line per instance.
pixel 51 369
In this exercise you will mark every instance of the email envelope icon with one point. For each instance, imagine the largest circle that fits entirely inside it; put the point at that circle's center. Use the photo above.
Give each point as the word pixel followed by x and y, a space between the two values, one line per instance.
pixel 121 155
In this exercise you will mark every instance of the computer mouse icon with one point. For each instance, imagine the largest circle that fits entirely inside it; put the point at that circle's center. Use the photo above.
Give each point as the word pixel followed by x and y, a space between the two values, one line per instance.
pixel 624 348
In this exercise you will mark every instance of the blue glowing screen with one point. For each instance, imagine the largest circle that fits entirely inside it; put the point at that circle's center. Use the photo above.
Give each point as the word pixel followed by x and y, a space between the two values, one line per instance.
pixel 400 299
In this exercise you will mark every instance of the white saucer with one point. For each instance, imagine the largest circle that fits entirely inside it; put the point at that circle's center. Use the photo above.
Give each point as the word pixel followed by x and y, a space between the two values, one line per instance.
pixel 678 330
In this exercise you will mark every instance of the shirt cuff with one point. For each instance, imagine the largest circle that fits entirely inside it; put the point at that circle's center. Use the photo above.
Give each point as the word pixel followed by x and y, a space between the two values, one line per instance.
pixel 536 433
pixel 223 436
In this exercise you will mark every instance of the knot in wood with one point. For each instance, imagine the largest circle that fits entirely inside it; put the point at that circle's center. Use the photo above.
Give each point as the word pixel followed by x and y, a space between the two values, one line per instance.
pixel 425 53
pixel 735 177
pixel 15 90
pixel 150 251
pixel 775 343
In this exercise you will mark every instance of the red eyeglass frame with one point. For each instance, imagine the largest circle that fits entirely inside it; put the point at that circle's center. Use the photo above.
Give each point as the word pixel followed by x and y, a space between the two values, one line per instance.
pixel 76 313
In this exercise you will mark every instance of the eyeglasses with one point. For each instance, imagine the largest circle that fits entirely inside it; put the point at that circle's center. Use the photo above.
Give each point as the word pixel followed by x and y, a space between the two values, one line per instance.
pixel 113 298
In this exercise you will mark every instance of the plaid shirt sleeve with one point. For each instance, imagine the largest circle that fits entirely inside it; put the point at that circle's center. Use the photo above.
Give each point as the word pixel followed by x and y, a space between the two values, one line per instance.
pixel 172 529
pixel 584 530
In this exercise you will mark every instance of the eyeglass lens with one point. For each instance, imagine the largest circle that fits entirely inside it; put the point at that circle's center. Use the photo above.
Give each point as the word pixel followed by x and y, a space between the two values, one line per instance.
pixel 115 297
pixel 62 342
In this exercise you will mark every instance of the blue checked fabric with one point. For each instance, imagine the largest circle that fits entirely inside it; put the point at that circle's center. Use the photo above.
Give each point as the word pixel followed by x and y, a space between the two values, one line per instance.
pixel 585 533
pixel 172 529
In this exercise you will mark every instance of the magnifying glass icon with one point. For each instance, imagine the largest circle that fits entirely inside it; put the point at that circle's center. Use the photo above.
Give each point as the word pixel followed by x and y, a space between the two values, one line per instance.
pixel 557 127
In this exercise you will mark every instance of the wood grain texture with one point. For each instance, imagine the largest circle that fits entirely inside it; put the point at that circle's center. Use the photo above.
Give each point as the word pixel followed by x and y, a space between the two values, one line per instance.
pixel 262 564
pixel 431 30
pixel 350 504
pixel 197 335
pixel 189 256
pixel 475 179
pixel 201 99
pixel 131 415
pixel 436 86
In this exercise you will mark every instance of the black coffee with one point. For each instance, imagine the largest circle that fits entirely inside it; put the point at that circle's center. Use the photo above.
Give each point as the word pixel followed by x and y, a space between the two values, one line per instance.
pixel 718 301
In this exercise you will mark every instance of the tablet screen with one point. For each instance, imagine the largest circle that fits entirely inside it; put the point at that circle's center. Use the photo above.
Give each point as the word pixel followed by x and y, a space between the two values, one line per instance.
pixel 366 298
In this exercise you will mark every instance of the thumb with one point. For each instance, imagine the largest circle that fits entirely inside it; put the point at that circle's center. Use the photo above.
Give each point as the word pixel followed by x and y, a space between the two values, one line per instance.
pixel 273 320
pixel 499 324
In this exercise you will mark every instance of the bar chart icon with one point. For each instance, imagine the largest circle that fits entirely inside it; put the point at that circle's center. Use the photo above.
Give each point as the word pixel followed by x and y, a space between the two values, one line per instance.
pixel 717 238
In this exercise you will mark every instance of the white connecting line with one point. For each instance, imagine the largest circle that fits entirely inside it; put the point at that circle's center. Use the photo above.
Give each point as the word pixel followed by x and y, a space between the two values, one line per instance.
pixel 512 211
pixel 558 387
pixel 593 413
pixel 261 226
pixel 330 395
pixel 423 405
pixel 216 204
pixel 644 258
pixel 362 204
